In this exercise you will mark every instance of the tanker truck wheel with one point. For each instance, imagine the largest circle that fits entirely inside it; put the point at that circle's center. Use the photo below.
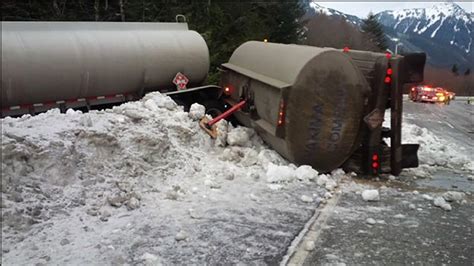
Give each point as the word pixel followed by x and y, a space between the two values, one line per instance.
pixel 214 108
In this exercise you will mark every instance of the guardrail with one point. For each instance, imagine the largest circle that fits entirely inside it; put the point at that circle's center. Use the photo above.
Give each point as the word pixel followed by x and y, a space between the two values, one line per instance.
pixel 457 98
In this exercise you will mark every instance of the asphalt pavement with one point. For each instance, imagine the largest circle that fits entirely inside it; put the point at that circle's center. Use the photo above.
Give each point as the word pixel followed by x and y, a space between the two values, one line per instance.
pixel 408 230
pixel 454 122
pixel 403 228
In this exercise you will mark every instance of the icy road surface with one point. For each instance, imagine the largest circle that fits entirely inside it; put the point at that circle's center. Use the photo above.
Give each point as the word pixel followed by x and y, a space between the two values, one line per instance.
pixel 425 216
pixel 453 122
pixel 142 184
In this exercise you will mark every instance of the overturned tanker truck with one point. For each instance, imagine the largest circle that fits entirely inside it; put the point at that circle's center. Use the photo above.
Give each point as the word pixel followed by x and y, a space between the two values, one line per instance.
pixel 318 106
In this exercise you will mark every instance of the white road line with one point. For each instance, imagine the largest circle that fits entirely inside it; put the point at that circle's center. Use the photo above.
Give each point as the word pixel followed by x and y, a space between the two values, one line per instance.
pixel 447 123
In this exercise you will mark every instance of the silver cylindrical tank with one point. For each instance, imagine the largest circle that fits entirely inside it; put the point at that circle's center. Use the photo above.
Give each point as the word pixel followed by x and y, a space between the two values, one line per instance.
pixel 308 101
pixel 51 61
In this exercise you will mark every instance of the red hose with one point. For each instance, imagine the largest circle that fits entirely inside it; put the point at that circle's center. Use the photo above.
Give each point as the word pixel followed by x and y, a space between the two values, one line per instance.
pixel 226 113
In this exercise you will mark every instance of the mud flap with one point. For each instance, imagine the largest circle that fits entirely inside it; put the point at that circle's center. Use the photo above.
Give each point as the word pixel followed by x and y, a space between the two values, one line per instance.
pixel 410 155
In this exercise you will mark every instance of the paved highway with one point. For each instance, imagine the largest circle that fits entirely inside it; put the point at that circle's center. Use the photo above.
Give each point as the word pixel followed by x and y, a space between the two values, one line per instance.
pixel 454 122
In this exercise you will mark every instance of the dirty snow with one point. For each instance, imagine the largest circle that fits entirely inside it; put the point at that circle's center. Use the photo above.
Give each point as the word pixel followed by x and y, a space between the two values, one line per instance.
pixel 142 183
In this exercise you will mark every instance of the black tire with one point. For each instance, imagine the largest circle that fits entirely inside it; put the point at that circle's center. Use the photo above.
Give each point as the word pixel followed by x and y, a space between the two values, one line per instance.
pixel 182 103
pixel 214 108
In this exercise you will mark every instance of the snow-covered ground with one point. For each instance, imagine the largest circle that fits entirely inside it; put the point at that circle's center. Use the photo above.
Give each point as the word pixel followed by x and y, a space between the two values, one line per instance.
pixel 142 183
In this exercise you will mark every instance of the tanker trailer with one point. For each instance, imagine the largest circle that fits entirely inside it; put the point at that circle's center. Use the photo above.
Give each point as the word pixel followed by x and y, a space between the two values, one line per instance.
pixel 324 107
pixel 84 64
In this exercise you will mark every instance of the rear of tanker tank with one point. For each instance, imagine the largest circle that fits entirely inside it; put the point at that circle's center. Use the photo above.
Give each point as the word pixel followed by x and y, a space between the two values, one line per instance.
pixel 323 93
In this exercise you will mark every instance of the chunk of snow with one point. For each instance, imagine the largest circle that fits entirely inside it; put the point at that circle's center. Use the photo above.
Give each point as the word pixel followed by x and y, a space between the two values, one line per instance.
pixel 196 111
pixel 306 172
pixel 309 245
pixel 165 102
pixel 453 196
pixel 149 258
pixel 322 179
pixel 239 136
pixel 181 235
pixel 277 173
pixel 305 198
pixel 399 216
pixel 338 172
pixel 275 187
pixel 134 114
pixel 440 202
pixel 371 195
pixel 151 105
pixel 71 111
pixel 133 203
pixel 427 197
pixel 330 185
pixel 211 183
pixel 327 195
pixel 371 221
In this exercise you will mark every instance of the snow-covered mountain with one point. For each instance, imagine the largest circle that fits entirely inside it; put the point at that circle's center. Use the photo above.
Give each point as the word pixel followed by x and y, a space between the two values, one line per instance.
pixel 445 23
pixel 319 9
pixel 444 31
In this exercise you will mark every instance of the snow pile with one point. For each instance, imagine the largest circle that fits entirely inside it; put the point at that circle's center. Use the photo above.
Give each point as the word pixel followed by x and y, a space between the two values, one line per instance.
pixel 124 185
pixel 433 151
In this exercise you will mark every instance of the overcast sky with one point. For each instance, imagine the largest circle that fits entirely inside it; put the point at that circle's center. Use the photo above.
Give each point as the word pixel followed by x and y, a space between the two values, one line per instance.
pixel 361 9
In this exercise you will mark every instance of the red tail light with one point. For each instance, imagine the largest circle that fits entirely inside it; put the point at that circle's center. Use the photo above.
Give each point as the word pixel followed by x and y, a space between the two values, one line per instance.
pixel 227 90
pixel 375 163
pixel 281 113
pixel 346 49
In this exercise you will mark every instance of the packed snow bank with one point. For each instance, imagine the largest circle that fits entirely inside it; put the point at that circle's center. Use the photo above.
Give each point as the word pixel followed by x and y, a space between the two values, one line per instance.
pixel 142 183
pixel 434 150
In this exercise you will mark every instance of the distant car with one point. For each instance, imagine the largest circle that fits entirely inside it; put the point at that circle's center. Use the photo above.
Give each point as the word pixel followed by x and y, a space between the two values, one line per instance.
pixel 429 94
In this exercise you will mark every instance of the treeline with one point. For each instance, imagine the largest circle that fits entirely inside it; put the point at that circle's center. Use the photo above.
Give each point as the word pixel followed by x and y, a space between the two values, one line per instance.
pixel 461 84
pixel 223 24
pixel 325 31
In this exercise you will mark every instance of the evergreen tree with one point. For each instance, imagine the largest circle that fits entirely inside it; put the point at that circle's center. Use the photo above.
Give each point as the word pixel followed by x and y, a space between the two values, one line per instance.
pixel 455 70
pixel 283 19
pixel 374 31
pixel 224 24
pixel 468 71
